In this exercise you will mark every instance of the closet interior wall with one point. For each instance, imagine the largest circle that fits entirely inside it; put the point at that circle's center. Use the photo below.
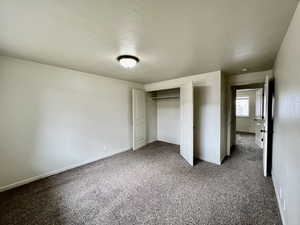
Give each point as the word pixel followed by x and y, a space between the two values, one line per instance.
pixel 163 116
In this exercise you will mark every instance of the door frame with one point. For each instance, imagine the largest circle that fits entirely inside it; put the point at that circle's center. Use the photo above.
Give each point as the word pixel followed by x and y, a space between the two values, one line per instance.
pixel 187 122
pixel 180 86
pixel 136 144
pixel 270 125
pixel 231 120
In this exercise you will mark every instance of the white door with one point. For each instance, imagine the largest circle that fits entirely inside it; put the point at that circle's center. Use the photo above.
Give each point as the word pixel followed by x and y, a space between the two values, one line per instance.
pixel 265 127
pixel 187 122
pixel 259 124
pixel 259 136
pixel 139 118
pixel 259 103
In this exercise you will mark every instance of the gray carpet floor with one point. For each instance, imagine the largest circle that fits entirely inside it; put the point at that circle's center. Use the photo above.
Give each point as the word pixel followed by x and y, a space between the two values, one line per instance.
pixel 153 185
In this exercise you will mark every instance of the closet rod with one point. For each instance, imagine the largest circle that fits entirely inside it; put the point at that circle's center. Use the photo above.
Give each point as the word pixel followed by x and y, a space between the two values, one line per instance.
pixel 167 97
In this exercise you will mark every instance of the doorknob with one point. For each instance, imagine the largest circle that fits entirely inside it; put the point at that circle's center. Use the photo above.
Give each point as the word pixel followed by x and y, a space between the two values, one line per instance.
pixel 263 131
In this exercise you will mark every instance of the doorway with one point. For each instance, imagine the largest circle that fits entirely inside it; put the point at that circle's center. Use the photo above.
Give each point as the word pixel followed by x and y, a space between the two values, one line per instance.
pixel 164 115
pixel 249 122
pixel 259 134
pixel 249 114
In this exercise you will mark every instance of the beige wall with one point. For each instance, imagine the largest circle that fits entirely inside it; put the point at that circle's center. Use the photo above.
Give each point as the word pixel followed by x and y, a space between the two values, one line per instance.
pixel 53 119
pixel 286 150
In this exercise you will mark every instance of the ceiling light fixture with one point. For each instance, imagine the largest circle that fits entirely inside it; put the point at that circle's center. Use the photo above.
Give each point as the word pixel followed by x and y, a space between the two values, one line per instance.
pixel 128 61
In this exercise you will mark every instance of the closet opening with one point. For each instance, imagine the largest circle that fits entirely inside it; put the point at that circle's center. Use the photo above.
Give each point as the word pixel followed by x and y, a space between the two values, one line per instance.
pixel 169 118
pixel 166 105
pixel 164 115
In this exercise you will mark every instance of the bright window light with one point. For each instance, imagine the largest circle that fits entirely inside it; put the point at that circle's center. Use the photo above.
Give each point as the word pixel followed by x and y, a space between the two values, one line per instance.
pixel 242 106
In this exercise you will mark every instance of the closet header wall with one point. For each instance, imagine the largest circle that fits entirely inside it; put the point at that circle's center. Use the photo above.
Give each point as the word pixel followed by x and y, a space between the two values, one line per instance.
pixel 166 94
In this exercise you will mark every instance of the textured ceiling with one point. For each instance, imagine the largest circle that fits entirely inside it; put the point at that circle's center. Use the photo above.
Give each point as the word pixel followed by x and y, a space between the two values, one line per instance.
pixel 172 38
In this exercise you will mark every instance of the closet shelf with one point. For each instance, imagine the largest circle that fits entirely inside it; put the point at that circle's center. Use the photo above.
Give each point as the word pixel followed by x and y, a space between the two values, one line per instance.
pixel 165 97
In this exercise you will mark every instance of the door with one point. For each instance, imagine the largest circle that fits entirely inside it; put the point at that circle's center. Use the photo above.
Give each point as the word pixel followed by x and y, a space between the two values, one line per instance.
pixel 259 136
pixel 139 118
pixel 187 122
pixel 259 123
pixel 231 120
pixel 268 126
pixel 259 103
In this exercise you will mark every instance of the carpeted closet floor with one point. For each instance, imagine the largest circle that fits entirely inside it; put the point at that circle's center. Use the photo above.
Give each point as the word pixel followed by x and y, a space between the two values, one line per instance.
pixel 153 185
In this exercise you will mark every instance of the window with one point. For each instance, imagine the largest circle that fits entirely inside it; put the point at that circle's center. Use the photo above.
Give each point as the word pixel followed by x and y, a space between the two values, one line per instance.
pixel 242 106
pixel 259 104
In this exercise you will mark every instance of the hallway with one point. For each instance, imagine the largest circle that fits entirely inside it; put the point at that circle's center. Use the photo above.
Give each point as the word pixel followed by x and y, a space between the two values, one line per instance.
pixel 245 143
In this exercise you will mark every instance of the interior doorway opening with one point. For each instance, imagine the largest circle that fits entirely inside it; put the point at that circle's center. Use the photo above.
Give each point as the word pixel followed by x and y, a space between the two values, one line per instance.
pixel 249 113
pixel 165 115
pixel 249 119
pixel 262 119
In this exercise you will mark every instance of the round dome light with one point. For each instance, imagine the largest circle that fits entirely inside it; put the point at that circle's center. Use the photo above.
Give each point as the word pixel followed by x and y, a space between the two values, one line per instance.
pixel 128 61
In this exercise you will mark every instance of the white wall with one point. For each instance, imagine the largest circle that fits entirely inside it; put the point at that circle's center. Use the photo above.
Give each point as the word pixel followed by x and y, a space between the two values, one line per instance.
pixel 151 115
pixel 176 83
pixel 248 78
pixel 209 137
pixel 168 116
pixel 207 120
pixel 286 150
pixel 54 118
pixel 247 124
pixel 168 120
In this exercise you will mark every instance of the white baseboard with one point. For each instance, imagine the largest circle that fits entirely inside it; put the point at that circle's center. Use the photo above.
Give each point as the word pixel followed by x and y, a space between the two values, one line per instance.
pixel 168 140
pixel 38 177
pixel 278 201
pixel 222 159
pixel 151 141
pixel 210 161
